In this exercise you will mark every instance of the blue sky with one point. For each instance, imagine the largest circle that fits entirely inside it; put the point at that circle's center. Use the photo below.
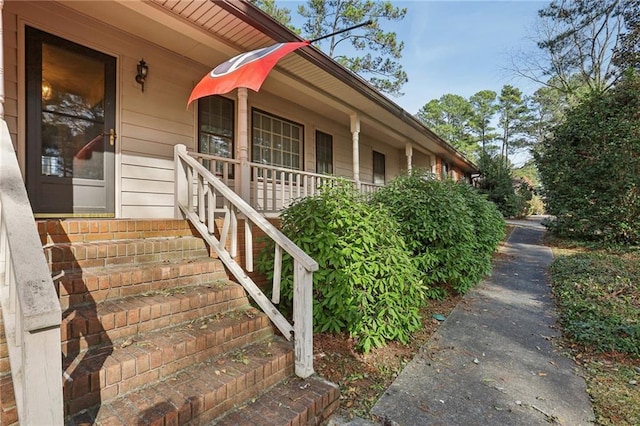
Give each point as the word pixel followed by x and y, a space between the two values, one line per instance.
pixel 459 47
pixel 462 47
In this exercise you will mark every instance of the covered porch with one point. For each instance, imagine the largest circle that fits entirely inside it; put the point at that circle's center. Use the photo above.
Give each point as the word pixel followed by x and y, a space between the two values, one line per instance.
pixel 84 137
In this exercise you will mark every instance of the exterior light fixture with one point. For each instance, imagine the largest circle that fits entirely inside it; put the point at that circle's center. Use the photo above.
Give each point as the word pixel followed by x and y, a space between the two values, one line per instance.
pixel 143 72
pixel 47 90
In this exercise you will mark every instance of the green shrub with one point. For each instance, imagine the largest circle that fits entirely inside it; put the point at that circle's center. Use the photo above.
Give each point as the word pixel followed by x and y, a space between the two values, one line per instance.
pixel 590 168
pixel 367 284
pixel 451 230
pixel 489 227
pixel 597 294
pixel 497 182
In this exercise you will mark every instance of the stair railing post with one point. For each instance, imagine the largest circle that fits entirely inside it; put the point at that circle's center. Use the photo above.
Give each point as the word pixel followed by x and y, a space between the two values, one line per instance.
pixel 303 320
pixel 180 180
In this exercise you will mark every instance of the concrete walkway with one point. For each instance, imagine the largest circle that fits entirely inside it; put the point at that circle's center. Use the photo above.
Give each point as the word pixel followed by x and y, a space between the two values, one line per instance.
pixel 492 362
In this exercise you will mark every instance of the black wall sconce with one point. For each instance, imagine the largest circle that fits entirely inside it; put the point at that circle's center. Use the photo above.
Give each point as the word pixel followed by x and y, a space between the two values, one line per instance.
pixel 143 72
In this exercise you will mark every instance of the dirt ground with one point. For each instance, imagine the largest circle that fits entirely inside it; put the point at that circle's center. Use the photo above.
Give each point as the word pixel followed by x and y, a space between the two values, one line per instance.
pixel 364 377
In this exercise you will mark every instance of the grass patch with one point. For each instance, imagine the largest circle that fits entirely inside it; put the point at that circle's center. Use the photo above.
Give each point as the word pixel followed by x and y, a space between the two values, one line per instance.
pixel 598 294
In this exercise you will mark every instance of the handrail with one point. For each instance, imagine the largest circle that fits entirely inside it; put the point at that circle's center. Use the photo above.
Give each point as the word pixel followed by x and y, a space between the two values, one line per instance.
pixel 30 306
pixel 275 188
pixel 197 191
pixel 369 188
pixel 219 166
pixel 300 172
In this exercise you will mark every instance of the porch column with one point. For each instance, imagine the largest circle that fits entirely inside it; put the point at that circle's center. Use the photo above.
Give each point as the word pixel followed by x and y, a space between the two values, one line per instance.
pixel 408 149
pixel 244 174
pixel 355 137
pixel 434 165
pixel 1 63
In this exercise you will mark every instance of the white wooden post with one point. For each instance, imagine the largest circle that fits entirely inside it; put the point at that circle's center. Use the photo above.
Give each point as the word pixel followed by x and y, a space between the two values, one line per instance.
pixel 248 245
pixel 42 367
pixel 408 149
pixel 277 274
pixel 180 181
pixel 244 174
pixel 434 167
pixel 355 136
pixel 303 320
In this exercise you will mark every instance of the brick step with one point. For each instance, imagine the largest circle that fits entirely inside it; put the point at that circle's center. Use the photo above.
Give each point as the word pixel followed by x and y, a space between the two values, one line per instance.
pixel 102 374
pixel 96 285
pixel 112 320
pixel 8 410
pixel 75 256
pixel 88 230
pixel 200 392
pixel 294 401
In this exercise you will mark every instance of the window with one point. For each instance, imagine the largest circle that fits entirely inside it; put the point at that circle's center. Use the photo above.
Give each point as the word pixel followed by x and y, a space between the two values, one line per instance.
pixel 215 128
pixel 378 168
pixel 324 153
pixel 276 142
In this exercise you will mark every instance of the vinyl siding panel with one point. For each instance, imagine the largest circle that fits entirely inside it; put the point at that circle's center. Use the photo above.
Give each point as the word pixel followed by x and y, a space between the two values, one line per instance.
pixel 149 124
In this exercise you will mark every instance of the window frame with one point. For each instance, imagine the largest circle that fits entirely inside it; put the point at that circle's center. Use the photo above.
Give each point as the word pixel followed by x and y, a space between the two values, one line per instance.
pixel 329 139
pixel 232 120
pixel 384 168
pixel 283 120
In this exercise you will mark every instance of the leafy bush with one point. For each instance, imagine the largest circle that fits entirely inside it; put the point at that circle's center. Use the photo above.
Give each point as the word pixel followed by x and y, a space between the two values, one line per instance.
pixel 451 229
pixel 367 284
pixel 590 168
pixel 598 298
pixel 497 184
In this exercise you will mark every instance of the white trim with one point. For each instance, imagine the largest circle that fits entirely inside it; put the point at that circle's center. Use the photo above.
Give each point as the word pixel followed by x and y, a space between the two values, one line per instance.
pixel 22 103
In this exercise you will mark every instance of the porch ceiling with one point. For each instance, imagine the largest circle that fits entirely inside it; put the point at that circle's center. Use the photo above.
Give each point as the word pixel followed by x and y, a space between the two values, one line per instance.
pixel 210 32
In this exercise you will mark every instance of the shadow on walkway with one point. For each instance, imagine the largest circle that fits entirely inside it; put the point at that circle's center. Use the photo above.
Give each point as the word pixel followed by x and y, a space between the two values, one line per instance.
pixel 493 362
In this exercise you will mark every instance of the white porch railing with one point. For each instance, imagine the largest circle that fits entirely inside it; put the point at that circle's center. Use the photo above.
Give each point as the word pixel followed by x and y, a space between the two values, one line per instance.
pixel 275 188
pixel 30 305
pixel 202 198
pixel 369 188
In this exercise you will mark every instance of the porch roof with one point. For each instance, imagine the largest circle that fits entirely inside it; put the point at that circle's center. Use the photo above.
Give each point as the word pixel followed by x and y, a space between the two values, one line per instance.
pixel 210 32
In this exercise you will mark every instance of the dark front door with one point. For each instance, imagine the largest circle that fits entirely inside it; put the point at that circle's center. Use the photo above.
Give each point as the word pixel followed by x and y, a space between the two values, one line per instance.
pixel 70 127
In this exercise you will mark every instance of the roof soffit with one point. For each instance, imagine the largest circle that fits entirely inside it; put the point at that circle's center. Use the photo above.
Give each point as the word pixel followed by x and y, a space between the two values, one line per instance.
pixel 209 30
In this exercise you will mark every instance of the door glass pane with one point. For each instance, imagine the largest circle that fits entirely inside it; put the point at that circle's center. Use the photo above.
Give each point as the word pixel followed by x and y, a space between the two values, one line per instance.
pixel 73 88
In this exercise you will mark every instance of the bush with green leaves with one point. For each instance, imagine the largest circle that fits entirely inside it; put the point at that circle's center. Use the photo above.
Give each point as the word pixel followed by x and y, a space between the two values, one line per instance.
pixel 590 168
pixel 497 183
pixel 367 284
pixel 450 228
pixel 597 292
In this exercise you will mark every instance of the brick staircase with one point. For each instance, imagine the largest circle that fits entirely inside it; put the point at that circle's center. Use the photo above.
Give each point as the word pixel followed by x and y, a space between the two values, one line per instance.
pixel 154 332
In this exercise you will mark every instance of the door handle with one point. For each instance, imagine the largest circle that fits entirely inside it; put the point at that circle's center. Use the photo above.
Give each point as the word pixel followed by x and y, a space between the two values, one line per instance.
pixel 112 136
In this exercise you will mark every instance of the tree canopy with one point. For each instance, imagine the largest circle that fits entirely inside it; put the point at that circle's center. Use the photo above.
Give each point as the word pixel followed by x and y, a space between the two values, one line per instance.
pixel 369 51
pixel 382 69
pixel 590 168
pixel 583 44
pixel 450 118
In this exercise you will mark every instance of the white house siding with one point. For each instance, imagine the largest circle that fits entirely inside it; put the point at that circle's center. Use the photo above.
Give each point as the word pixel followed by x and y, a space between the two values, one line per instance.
pixel 10 46
pixel 150 123
pixel 421 160
pixel 392 158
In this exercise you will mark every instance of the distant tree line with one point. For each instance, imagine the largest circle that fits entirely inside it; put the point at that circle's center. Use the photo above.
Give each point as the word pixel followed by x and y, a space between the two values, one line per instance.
pixel 578 122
